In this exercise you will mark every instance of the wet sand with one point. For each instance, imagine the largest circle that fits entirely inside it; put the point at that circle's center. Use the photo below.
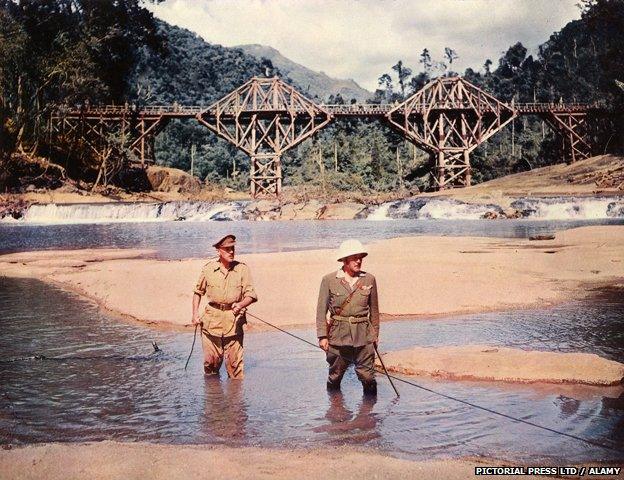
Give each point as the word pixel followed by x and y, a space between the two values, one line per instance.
pixel 482 362
pixel 111 460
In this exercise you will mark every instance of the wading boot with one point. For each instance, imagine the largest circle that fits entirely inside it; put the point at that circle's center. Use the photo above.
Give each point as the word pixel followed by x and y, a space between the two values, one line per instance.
pixel 370 388
pixel 333 387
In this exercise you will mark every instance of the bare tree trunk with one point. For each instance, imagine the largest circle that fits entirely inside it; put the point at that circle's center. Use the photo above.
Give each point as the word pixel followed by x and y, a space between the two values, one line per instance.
pixel 102 168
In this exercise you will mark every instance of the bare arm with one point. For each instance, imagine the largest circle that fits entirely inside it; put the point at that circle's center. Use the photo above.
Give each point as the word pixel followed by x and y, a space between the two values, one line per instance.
pixel 200 290
pixel 244 303
pixel 196 301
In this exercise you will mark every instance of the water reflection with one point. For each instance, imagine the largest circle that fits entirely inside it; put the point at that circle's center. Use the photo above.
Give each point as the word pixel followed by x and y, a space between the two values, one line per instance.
pixel 360 427
pixel 569 406
pixel 225 414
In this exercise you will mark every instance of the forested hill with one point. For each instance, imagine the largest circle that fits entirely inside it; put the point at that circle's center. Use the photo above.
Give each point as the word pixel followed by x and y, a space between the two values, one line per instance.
pixel 188 70
pixel 313 84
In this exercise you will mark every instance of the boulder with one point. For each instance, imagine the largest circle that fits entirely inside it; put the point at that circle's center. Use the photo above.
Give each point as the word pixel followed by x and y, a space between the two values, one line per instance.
pixel 164 179
pixel 262 210
pixel 301 211
pixel 13 209
pixel 490 215
pixel 512 213
pixel 341 211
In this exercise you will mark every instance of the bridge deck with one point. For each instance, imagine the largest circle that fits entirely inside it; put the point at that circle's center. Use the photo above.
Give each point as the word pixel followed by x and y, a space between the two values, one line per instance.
pixel 353 110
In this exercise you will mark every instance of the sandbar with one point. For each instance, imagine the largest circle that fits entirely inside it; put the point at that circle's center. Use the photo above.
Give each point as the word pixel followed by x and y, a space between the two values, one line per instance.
pixel 483 362
pixel 114 460
pixel 418 277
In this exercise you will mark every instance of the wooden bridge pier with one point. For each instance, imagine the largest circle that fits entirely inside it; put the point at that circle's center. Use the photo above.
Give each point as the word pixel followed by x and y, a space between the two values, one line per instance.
pixel 573 131
pixel 110 130
pixel 449 118
pixel 264 118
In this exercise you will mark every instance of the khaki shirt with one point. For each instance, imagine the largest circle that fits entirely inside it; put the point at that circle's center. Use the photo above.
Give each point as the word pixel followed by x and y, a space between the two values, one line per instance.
pixel 357 324
pixel 224 286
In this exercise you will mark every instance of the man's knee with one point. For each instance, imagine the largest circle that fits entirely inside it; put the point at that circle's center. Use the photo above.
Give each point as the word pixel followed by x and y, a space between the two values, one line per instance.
pixel 211 368
pixel 234 359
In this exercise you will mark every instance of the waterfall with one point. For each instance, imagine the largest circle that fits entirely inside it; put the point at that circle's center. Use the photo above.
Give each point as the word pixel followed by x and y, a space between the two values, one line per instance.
pixel 545 208
pixel 133 212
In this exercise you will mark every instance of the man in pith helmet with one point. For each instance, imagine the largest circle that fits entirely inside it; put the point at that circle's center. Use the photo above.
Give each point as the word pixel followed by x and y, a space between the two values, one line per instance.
pixel 347 318
pixel 228 286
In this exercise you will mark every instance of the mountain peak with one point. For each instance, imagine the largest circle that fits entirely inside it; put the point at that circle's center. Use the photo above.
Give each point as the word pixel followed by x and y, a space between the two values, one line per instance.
pixel 316 84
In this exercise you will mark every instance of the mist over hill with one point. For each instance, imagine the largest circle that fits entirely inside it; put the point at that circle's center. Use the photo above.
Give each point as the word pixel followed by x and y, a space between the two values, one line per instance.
pixel 313 84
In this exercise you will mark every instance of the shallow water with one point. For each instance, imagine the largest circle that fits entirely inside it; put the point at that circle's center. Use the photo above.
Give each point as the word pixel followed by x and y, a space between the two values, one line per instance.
pixel 173 240
pixel 114 387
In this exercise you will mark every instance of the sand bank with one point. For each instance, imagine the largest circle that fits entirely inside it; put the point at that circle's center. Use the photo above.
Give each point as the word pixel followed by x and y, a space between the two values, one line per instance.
pixel 417 276
pixel 481 362
pixel 111 460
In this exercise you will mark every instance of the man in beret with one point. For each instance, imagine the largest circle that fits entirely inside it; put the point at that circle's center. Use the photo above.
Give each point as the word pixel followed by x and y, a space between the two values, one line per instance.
pixel 227 284
pixel 347 318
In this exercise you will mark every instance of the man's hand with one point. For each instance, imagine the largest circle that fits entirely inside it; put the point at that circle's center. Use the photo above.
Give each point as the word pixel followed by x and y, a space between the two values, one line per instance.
pixel 196 319
pixel 324 343
pixel 237 308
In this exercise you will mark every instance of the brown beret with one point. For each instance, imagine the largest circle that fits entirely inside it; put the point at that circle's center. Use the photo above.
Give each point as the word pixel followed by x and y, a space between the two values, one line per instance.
pixel 227 241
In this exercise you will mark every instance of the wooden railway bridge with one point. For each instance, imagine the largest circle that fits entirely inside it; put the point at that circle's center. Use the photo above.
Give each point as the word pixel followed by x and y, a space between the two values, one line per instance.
pixel 265 117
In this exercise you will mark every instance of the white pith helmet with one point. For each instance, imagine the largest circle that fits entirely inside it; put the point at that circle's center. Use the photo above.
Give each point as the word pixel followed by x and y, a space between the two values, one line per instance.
pixel 351 247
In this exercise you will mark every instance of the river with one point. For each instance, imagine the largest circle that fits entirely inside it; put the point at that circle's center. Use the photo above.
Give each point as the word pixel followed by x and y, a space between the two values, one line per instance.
pixel 70 373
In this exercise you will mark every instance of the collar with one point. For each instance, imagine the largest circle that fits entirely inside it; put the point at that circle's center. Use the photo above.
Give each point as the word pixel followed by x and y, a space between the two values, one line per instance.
pixel 217 265
pixel 341 274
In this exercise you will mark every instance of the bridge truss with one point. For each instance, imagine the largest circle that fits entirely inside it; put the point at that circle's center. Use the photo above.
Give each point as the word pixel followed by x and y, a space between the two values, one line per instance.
pixel 265 117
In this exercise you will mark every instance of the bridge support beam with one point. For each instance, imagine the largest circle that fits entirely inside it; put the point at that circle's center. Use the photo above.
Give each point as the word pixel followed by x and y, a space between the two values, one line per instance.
pixel 573 131
pixel 144 138
pixel 449 118
pixel 266 175
pixel 108 134
pixel 264 118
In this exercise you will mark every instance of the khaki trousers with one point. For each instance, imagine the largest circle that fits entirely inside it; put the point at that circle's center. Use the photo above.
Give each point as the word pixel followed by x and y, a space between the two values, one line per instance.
pixel 216 349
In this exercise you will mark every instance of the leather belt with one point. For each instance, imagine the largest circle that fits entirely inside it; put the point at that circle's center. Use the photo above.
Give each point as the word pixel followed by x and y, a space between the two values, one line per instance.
pixel 221 306
pixel 360 319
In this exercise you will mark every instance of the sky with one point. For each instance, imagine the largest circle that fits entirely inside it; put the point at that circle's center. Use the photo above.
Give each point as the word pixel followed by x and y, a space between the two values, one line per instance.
pixel 362 39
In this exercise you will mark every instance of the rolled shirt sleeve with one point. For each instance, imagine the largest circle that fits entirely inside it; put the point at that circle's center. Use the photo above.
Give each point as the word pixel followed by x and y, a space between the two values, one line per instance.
pixel 247 284
pixel 200 286
pixel 321 309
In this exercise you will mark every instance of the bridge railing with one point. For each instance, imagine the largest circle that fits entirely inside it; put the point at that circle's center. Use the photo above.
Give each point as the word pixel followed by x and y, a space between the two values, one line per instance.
pixel 335 109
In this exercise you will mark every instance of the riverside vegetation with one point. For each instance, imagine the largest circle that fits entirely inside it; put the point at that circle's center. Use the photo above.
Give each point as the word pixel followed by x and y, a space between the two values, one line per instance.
pixel 72 52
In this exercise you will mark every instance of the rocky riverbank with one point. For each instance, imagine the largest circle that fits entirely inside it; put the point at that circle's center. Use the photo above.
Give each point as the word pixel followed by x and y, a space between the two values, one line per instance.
pixel 598 177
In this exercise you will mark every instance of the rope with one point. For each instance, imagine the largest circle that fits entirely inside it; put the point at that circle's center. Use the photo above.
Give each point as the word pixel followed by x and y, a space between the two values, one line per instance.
pixel 459 400
pixel 192 346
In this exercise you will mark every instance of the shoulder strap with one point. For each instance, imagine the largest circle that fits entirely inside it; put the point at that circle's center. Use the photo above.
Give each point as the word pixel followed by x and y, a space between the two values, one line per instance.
pixel 349 297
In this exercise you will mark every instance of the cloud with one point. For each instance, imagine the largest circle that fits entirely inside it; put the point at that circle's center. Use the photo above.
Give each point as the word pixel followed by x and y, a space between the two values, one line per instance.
pixel 361 39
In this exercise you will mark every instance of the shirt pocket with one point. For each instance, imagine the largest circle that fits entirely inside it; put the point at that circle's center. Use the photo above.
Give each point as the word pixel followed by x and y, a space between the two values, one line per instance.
pixel 362 295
